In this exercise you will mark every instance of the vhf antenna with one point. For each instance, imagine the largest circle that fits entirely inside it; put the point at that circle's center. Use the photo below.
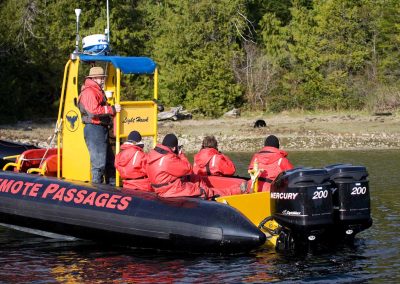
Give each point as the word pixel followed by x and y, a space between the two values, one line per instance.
pixel 108 24
pixel 77 13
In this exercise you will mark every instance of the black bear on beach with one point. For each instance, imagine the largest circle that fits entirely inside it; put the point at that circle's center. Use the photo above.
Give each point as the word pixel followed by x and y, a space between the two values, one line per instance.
pixel 260 123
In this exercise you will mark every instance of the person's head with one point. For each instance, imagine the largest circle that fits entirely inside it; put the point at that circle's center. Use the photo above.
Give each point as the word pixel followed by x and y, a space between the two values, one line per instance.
pixel 97 74
pixel 272 141
pixel 171 141
pixel 135 138
pixel 209 142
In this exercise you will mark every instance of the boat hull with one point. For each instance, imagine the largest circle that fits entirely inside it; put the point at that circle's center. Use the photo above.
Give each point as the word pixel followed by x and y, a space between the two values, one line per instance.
pixel 140 219
pixel 9 148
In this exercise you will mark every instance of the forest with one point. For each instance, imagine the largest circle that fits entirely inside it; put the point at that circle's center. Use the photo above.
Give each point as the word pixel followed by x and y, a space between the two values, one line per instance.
pixel 213 55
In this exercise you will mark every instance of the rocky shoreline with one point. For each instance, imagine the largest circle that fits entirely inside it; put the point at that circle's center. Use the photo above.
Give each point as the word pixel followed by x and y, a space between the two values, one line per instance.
pixel 296 132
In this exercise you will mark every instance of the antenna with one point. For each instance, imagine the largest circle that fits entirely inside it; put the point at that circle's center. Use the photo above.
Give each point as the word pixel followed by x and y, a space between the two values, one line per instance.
pixel 77 13
pixel 108 24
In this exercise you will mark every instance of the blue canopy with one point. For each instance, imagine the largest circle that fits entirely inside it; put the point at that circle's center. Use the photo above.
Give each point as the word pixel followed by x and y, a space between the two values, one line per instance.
pixel 128 65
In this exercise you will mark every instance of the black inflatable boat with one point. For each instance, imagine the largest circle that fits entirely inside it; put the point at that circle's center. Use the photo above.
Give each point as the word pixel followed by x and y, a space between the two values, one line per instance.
pixel 305 206
pixel 9 148
pixel 136 219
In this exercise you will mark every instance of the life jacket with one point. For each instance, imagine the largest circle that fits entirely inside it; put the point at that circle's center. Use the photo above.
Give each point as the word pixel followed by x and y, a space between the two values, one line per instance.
pixel 167 171
pixel 131 164
pixel 209 161
pixel 171 176
pixel 272 161
pixel 93 105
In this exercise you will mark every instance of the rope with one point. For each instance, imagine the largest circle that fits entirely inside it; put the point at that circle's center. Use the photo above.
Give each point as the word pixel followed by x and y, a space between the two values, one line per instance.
pixel 56 131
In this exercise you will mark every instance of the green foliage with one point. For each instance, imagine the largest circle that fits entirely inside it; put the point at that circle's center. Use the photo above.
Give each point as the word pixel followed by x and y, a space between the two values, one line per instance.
pixel 385 99
pixel 327 47
pixel 193 43
pixel 24 69
pixel 321 54
pixel 385 43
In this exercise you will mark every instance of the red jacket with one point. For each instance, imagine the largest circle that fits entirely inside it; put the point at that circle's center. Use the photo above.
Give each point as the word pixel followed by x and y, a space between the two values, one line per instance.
pixel 209 161
pixel 168 173
pixel 131 164
pixel 273 161
pixel 93 104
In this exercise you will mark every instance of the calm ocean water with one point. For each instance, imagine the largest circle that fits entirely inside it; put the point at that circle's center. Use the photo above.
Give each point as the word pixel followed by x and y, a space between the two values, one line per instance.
pixel 374 257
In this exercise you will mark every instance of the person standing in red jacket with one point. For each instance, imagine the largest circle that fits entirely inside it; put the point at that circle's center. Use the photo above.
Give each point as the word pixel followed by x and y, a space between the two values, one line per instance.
pixel 170 173
pixel 131 163
pixel 272 161
pixel 97 116
pixel 210 162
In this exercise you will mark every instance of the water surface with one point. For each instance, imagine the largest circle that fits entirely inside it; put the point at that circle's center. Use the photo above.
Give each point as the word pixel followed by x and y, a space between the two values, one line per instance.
pixel 374 257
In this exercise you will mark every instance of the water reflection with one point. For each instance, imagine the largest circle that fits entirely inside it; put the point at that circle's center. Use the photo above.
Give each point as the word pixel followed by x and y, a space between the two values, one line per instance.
pixel 373 257
pixel 118 269
pixel 79 262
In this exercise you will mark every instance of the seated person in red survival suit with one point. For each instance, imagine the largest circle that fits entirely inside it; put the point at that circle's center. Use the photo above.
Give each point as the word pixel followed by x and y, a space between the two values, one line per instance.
pixel 210 162
pixel 131 163
pixel 170 173
pixel 272 160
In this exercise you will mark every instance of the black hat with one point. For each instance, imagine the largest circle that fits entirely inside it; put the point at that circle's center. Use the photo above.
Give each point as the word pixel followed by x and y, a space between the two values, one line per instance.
pixel 272 141
pixel 134 136
pixel 170 140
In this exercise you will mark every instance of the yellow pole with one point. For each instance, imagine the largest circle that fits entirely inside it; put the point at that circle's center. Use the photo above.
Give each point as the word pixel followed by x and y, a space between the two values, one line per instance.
pixel 257 172
pixel 59 119
pixel 156 83
pixel 155 107
pixel 118 118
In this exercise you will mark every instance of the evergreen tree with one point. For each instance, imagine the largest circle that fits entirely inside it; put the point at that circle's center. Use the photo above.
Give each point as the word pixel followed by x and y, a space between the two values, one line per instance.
pixel 212 55
pixel 324 50
pixel 194 43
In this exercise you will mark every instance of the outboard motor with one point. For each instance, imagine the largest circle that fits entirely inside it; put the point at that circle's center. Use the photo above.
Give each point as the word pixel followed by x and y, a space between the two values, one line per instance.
pixel 351 199
pixel 301 202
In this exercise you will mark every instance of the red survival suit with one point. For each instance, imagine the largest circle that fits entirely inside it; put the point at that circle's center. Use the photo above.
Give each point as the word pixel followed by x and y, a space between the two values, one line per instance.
pixel 168 174
pixel 131 164
pixel 210 162
pixel 93 104
pixel 273 161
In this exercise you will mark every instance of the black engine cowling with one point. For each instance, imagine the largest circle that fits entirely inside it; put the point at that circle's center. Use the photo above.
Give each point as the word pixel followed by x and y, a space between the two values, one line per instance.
pixel 351 199
pixel 301 202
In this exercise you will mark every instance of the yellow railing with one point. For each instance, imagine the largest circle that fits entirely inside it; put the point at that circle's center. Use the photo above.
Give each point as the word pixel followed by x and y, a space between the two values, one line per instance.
pixel 135 115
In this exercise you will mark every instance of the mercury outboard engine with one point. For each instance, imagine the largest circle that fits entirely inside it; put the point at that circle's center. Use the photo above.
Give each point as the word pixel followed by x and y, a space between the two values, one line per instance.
pixel 301 202
pixel 351 200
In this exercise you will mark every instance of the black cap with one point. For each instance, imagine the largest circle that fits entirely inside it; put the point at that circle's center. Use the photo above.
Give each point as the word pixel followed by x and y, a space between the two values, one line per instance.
pixel 134 136
pixel 272 141
pixel 170 140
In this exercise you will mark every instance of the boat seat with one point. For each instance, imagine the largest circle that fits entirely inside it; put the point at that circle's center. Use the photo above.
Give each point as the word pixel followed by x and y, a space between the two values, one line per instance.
pixel 32 158
pixel 47 168
pixel 222 181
